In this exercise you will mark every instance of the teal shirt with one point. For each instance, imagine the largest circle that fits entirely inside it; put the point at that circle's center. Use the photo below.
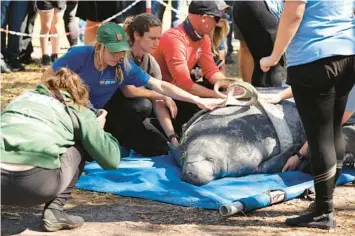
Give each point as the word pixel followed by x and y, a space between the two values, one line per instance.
pixel 36 130
pixel 327 29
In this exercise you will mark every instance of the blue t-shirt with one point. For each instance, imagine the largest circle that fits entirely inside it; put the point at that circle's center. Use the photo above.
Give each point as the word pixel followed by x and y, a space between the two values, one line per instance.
pixel 102 84
pixel 327 29
pixel 275 7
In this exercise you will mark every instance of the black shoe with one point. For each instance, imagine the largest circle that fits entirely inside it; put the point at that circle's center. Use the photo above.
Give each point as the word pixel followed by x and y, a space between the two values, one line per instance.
pixel 27 60
pixel 16 65
pixel 46 60
pixel 54 57
pixel 313 220
pixel 54 220
pixel 4 67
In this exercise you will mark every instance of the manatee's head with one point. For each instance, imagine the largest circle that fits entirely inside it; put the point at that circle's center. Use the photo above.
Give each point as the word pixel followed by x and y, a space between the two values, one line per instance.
pixel 198 173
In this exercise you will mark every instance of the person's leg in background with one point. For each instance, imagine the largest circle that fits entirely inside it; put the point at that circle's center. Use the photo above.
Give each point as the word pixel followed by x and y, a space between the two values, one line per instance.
pixel 4 19
pixel 26 47
pixel 70 23
pixel 46 13
pixel 229 57
pixel 158 9
pixel 176 16
pixel 16 16
pixel 57 17
pixel 125 121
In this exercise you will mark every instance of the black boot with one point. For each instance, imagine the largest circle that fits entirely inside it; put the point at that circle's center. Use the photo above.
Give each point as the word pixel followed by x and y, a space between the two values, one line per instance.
pixel 54 57
pixel 55 219
pixel 46 60
pixel 313 220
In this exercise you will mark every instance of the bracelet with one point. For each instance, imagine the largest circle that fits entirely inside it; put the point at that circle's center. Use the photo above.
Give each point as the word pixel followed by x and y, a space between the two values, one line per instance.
pixel 173 136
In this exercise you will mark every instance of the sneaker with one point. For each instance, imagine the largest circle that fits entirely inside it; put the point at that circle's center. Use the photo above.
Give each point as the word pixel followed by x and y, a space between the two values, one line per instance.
pixel 46 60
pixel 313 220
pixel 16 65
pixel 54 220
pixel 54 57
pixel 4 67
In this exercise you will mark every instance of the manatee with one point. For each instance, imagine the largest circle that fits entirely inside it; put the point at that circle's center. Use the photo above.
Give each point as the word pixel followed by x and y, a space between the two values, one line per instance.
pixel 236 141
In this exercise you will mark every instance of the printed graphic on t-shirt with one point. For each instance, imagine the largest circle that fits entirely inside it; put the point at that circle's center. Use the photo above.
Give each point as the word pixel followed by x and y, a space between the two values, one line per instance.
pixel 107 81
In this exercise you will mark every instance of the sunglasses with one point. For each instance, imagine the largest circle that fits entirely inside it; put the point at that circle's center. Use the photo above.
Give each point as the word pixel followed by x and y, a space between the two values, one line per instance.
pixel 216 18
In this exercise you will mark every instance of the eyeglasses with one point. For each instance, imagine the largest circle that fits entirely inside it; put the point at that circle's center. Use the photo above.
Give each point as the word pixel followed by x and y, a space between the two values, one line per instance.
pixel 217 18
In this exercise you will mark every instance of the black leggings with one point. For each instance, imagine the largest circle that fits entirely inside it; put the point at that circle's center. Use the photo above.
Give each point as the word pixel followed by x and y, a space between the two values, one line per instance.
pixel 126 121
pixel 320 90
pixel 258 27
pixel 39 185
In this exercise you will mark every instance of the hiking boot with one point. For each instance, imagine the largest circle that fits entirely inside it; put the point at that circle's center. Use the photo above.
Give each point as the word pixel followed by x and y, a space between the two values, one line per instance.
pixel 313 220
pixel 54 220
pixel 54 57
pixel 16 65
pixel 46 60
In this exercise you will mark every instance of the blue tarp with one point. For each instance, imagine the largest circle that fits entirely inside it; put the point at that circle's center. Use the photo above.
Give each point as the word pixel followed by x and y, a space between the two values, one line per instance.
pixel 158 179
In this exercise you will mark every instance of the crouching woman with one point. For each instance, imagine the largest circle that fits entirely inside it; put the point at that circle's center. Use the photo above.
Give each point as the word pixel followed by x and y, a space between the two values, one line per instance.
pixel 47 135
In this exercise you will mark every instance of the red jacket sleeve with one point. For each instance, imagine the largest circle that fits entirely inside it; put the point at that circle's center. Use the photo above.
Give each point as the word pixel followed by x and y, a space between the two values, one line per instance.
pixel 206 61
pixel 174 51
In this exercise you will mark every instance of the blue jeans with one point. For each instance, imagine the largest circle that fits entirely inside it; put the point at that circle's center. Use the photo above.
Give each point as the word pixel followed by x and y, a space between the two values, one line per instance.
pixel 158 10
pixel 12 14
pixel 229 36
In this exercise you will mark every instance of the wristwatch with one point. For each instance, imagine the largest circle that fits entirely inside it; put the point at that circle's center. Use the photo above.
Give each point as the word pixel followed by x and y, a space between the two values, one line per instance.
pixel 300 156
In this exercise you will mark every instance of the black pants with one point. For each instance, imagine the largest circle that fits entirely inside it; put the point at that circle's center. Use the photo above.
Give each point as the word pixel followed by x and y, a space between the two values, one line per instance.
pixel 259 27
pixel 39 185
pixel 126 121
pixel 320 90
pixel 27 26
pixel 70 24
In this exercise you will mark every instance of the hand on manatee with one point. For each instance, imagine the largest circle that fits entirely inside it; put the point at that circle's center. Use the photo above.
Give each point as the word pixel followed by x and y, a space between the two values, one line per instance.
pixel 209 103
pixel 270 98
pixel 291 164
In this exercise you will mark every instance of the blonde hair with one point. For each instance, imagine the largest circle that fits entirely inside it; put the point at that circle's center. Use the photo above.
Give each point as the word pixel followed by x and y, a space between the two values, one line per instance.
pixel 99 61
pixel 218 34
pixel 65 79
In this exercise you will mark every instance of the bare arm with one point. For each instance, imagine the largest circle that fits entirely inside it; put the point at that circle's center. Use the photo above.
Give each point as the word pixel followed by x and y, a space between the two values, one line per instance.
pixel 290 21
pixel 202 91
pixel 131 91
pixel 180 94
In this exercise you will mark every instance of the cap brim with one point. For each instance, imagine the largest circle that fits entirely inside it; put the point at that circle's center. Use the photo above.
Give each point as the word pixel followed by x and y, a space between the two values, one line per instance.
pixel 118 46
pixel 222 15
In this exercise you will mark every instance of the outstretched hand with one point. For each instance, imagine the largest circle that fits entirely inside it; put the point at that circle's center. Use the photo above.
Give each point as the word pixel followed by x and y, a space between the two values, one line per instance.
pixel 209 103
pixel 291 164
pixel 270 98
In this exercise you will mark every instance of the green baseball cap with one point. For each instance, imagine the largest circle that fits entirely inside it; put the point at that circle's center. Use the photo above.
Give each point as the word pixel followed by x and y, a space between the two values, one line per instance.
pixel 113 37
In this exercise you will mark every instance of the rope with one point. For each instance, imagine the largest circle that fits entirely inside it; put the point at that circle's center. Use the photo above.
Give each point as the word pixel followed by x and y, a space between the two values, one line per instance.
pixel 67 33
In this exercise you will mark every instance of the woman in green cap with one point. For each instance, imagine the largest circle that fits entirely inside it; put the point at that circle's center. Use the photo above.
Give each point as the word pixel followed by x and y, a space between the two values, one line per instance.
pixel 106 67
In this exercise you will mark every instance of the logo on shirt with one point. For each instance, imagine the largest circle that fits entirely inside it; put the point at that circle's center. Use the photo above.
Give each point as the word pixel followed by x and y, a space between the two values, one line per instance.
pixel 107 82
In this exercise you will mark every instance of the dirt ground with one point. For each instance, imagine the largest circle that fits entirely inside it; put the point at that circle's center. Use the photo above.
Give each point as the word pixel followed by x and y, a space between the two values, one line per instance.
pixel 107 214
